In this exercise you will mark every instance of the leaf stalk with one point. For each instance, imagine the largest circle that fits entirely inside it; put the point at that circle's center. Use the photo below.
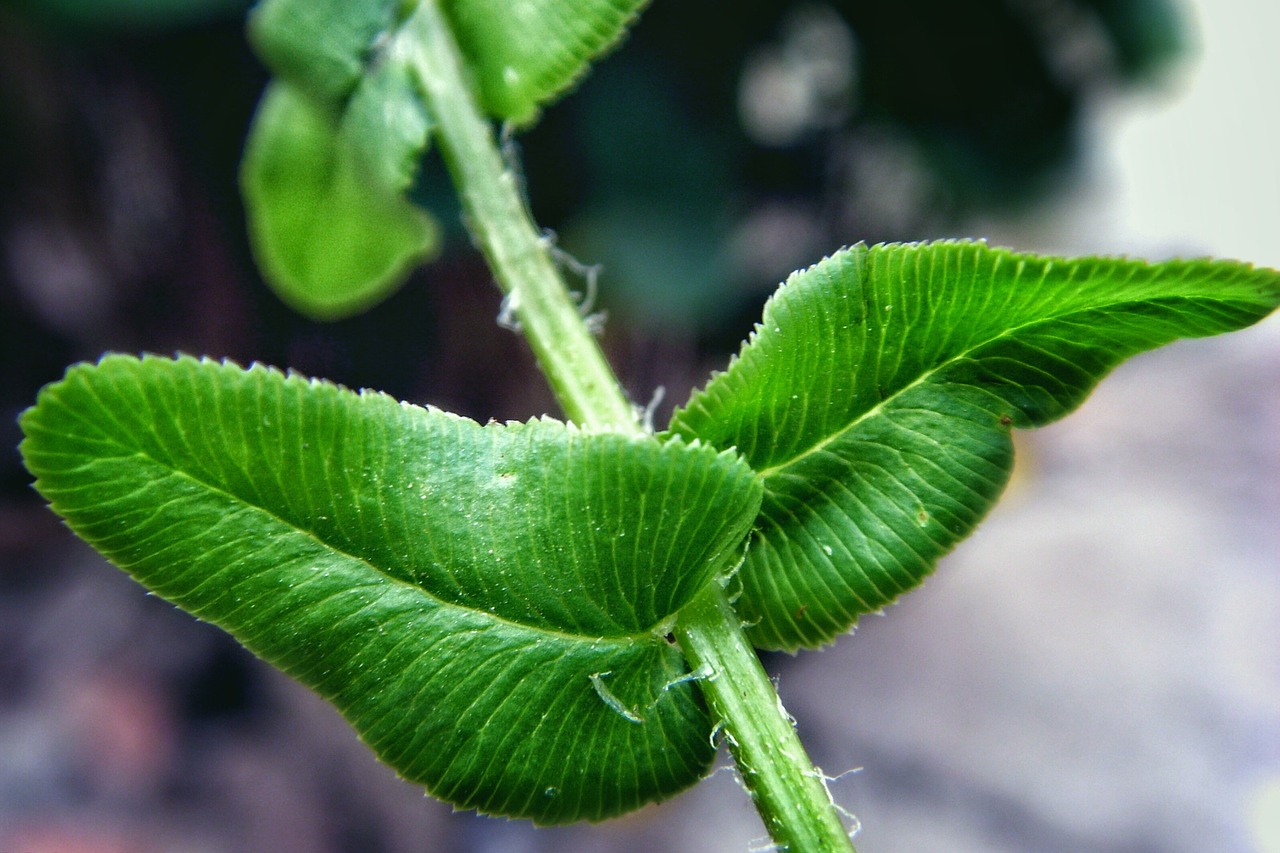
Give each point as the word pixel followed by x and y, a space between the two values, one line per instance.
pixel 499 221
pixel 788 791
pixel 778 774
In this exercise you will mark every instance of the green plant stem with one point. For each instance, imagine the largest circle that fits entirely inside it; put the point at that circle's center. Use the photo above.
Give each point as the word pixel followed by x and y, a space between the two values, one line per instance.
pixel 519 256
pixel 777 772
pixel 788 790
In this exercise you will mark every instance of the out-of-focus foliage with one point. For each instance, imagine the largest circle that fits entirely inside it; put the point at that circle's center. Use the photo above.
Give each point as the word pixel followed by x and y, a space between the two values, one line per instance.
pixel 331 228
pixel 712 154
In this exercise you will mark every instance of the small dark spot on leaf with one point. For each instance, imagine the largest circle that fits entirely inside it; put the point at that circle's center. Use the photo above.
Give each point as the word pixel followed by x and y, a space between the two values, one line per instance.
pixel 670 638
pixel 800 612
pixel 1006 420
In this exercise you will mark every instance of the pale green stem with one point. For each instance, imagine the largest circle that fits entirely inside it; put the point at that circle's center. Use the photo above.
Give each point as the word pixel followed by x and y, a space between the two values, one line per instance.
pixel 775 769
pixel 499 221
pixel 788 791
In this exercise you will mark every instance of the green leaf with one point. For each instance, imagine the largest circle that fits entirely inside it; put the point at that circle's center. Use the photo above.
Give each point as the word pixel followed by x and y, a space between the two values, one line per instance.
pixel 324 194
pixel 487 605
pixel 321 46
pixel 339 137
pixel 529 53
pixel 521 55
pixel 877 395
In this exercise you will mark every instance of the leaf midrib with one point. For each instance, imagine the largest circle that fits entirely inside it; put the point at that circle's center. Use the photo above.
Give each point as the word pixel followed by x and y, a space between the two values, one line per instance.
pixel 925 376
pixel 623 640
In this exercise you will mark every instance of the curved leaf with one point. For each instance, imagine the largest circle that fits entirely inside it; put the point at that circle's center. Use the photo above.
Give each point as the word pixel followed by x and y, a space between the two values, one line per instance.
pixel 322 46
pixel 486 604
pixel 526 54
pixel 877 395
pixel 329 223
pixel 521 55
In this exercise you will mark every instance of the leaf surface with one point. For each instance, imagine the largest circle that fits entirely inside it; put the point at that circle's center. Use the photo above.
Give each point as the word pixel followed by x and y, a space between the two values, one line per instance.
pixel 324 195
pixel 322 46
pixel 521 55
pixel 877 395
pixel 485 604
pixel 531 52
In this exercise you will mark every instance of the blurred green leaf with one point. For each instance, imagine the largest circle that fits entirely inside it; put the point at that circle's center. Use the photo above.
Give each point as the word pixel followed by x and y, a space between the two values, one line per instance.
pixel 338 140
pixel 524 55
pixel 323 47
pixel 324 196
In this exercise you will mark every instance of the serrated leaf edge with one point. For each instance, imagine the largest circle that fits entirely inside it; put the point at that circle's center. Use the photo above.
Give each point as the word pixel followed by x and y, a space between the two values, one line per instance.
pixel 658 630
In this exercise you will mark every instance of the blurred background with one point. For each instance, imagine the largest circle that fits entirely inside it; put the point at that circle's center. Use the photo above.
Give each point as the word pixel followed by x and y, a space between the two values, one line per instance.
pixel 1098 669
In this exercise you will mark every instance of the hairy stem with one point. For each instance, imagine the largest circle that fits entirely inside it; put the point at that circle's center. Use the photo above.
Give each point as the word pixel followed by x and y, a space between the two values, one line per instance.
pixel 781 779
pixel 788 791
pixel 518 254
